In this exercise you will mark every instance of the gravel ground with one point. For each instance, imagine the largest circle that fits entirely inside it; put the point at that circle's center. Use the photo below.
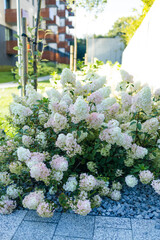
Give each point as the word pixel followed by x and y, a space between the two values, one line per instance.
pixel 138 202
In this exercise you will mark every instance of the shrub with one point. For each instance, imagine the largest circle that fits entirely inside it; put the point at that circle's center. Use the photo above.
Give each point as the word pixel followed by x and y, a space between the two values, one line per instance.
pixel 5 68
pixel 82 142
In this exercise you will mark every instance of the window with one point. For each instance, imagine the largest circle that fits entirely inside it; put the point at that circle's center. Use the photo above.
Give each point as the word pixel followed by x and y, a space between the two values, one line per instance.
pixel 7 4
pixel 33 2
pixel 8 34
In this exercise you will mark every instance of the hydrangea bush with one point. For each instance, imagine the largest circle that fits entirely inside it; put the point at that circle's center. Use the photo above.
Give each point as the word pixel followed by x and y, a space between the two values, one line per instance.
pixel 82 140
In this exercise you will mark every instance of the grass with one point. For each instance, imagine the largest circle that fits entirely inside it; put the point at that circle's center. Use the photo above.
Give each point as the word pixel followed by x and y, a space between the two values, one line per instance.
pixel 6 77
pixel 6 99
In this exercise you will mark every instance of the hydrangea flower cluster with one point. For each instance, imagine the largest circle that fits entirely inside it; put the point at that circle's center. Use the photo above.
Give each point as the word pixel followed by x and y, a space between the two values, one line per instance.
pixel 80 142
pixel 146 176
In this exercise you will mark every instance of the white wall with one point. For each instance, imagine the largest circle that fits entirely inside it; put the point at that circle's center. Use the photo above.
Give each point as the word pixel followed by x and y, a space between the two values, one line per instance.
pixel 105 49
pixel 142 55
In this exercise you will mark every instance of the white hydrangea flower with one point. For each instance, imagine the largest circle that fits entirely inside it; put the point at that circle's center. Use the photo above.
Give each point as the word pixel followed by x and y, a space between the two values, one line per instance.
pixel 71 184
pixel 80 109
pixel 41 139
pixel 13 191
pixel 32 96
pixel 146 176
pixel 20 112
pixel 131 181
pixel 115 195
pixel 52 93
pixel 5 178
pixel 27 140
pixel 150 126
pixel 105 91
pixel 67 77
pixel 138 151
pixel 156 185
pixel 105 104
pixel 57 121
pixel 57 175
pixel 23 154
pixel 42 116
pixel 97 200
pixel 142 100
pixel 126 76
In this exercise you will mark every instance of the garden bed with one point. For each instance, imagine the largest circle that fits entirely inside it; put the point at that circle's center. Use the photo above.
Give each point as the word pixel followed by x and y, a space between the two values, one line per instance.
pixel 139 202
pixel 84 139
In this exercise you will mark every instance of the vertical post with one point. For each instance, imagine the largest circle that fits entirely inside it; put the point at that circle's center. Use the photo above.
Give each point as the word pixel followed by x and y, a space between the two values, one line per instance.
pixel 19 40
pixel 75 44
pixel 92 58
pixel 35 48
pixel 86 55
pixel 85 59
pixel 71 57
pixel 24 55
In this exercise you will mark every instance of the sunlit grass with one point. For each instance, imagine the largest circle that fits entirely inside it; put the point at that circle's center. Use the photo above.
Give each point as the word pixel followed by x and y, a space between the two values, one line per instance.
pixel 6 77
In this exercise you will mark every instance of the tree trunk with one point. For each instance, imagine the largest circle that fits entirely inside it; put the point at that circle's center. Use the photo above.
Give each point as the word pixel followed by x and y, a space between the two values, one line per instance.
pixel 75 43
pixel 35 48
pixel 24 55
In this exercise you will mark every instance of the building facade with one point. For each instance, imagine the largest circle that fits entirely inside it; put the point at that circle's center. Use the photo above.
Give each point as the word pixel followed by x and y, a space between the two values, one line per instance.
pixel 105 49
pixel 55 28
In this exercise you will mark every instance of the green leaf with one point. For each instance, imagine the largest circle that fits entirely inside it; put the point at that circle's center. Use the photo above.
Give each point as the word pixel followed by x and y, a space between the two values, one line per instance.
pixel 16 35
pixel 16 48
pixel 63 200
pixel 133 122
pixel 139 126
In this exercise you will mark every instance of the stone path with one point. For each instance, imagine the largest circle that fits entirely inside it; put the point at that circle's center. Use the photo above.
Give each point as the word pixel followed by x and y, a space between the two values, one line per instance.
pixel 27 225
pixel 13 84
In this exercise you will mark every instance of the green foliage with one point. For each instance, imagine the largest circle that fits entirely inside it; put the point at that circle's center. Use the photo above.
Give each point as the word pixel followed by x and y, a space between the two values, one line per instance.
pixel 119 27
pixel 81 49
pixel 89 5
pixel 44 69
pixel 5 68
pixel 6 77
pixel 125 27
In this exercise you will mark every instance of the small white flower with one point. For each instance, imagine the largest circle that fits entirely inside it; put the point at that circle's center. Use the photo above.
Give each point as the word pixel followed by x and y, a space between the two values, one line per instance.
pixel 131 181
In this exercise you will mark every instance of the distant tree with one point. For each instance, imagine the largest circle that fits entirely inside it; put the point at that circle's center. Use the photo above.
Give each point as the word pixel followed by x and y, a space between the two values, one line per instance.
pixel 81 49
pixel 95 5
pixel 119 27
pixel 125 27
pixel 100 36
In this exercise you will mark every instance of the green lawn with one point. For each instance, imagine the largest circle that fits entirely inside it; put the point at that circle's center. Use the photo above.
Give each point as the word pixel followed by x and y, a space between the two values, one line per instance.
pixel 6 99
pixel 6 77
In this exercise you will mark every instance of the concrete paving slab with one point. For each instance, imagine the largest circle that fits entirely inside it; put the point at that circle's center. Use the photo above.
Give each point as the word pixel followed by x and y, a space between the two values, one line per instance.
pixel 35 231
pixel 112 234
pixel 72 225
pixel 112 222
pixel 33 216
pixel 144 230
pixel 69 238
pixel 10 223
